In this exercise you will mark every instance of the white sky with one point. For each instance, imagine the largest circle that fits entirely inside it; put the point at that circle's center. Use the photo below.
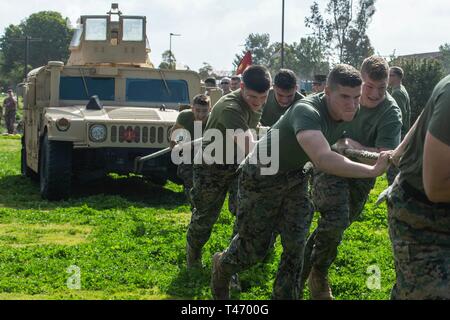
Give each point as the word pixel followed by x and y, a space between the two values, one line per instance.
pixel 213 30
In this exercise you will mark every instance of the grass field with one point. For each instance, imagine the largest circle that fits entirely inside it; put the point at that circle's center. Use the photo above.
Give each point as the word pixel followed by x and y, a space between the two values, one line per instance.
pixel 124 238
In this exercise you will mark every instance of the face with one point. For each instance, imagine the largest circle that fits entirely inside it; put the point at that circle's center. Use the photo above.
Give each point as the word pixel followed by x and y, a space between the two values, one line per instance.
pixel 284 97
pixel 343 102
pixel 225 85
pixel 210 85
pixel 254 99
pixel 201 112
pixel 393 79
pixel 373 91
pixel 318 87
pixel 235 84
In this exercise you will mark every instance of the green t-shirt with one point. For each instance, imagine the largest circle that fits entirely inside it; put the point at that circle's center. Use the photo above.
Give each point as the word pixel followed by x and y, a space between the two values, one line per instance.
pixel 401 96
pixel 186 120
pixel 310 113
pixel 377 127
pixel 435 119
pixel 272 111
pixel 231 112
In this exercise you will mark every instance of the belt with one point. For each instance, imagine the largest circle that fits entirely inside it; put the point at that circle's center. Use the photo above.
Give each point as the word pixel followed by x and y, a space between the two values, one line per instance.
pixel 421 197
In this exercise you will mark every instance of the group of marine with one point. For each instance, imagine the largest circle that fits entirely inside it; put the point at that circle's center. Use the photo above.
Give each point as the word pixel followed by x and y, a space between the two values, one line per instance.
pixel 366 109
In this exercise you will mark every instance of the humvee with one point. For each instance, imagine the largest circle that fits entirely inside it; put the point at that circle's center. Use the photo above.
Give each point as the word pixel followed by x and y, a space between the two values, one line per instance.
pixel 104 108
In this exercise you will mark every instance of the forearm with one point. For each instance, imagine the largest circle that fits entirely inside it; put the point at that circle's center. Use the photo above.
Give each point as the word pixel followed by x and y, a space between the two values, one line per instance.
pixel 336 164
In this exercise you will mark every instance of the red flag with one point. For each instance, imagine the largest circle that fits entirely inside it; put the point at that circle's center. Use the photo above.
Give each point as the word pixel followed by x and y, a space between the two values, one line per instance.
pixel 245 62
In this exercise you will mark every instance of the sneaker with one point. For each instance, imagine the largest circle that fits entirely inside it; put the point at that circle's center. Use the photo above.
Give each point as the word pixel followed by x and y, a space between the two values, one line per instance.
pixel 319 286
pixel 220 283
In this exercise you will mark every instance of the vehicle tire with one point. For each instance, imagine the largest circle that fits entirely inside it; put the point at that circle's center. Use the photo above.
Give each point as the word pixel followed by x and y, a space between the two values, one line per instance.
pixel 55 169
pixel 24 169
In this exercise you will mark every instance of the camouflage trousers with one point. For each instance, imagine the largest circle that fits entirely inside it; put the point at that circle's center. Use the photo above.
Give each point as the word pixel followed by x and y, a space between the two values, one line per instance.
pixel 420 236
pixel 10 119
pixel 269 205
pixel 339 201
pixel 185 173
pixel 210 186
pixel 391 173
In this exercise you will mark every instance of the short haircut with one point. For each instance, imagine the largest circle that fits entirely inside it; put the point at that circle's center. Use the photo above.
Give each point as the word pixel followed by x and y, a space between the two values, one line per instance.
pixel 285 79
pixel 375 67
pixel 320 79
pixel 344 75
pixel 398 71
pixel 201 99
pixel 182 107
pixel 211 81
pixel 257 78
pixel 225 79
pixel 236 78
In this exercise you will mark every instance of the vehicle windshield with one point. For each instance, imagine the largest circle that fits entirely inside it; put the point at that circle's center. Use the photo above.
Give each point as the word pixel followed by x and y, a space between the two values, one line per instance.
pixel 74 88
pixel 157 90
pixel 96 29
pixel 133 29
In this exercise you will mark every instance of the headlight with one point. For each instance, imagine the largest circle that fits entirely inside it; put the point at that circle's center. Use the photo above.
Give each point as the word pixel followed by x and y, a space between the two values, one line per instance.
pixel 97 133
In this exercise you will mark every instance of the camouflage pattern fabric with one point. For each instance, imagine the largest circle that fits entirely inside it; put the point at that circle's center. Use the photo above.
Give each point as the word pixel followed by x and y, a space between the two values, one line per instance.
pixel 185 172
pixel 340 201
pixel 269 205
pixel 210 186
pixel 420 236
pixel 391 173
pixel 233 197
pixel 233 202
pixel 10 119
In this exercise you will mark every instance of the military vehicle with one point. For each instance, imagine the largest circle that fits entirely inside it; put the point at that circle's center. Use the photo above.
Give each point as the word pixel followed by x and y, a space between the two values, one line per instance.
pixel 103 109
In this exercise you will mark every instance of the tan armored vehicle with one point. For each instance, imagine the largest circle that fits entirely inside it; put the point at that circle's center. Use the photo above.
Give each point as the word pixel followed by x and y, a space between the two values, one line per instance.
pixel 107 106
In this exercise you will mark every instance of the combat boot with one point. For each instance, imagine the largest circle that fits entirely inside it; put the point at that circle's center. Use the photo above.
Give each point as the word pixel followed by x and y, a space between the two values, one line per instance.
pixel 220 282
pixel 193 257
pixel 319 286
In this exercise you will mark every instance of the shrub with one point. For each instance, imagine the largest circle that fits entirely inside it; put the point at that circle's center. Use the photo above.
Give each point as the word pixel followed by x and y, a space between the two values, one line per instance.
pixel 421 75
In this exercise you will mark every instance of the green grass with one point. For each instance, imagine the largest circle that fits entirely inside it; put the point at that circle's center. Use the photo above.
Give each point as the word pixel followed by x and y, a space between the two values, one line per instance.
pixel 127 237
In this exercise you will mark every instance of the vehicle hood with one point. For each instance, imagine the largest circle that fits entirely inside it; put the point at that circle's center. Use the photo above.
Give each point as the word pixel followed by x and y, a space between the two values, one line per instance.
pixel 113 114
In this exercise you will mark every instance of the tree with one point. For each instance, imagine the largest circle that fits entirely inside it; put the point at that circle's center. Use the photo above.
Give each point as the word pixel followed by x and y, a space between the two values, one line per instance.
pixel 421 75
pixel 321 32
pixel 55 37
pixel 312 58
pixel 357 45
pixel 445 50
pixel 206 71
pixel 52 28
pixel 341 17
pixel 341 35
pixel 305 58
pixel 259 46
pixel 166 61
